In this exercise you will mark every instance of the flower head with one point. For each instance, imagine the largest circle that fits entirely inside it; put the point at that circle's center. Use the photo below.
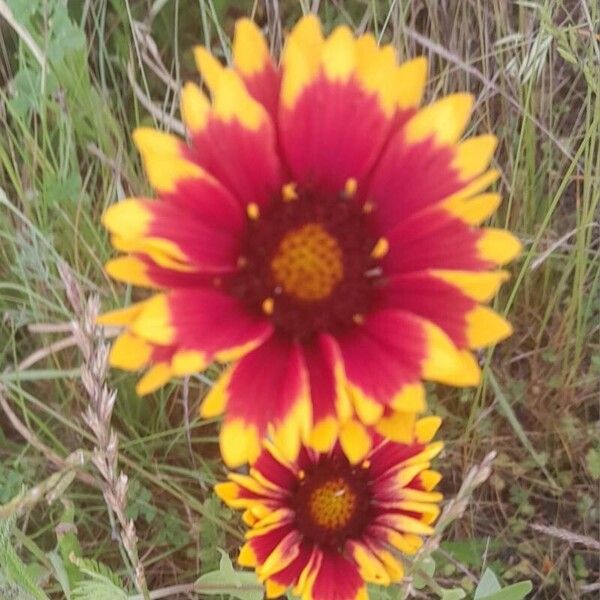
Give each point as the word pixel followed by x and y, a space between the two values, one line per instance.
pixel 319 232
pixel 325 526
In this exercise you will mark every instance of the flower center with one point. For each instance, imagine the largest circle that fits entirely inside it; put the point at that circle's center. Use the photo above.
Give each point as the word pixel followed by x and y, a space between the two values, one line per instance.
pixel 308 263
pixel 332 501
pixel 332 505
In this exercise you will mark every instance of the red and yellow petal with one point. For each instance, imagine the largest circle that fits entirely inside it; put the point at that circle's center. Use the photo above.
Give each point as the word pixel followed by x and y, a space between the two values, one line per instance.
pixel 160 370
pixel 480 286
pixel 403 524
pixel 121 316
pixel 252 60
pixel 300 58
pixel 273 467
pixel 335 579
pixel 131 353
pixel 234 139
pixel 485 327
pixel 262 544
pixel 349 81
pixel 427 480
pixel 328 395
pixel 387 458
pixel 440 261
pixel 263 489
pixel 386 356
pixel 371 569
pixel 428 297
pixel 418 168
pixel 444 121
pixel 195 107
pixel 197 228
pixel 472 210
pixel 130 222
pixel 355 441
pixel 257 502
pixel 140 270
pixel 165 159
pixel 158 375
pixel 406 543
pixel 281 556
pixel 164 362
pixel 398 88
pixel 160 331
pixel 436 239
pixel 423 166
pixel 377 372
pixel 288 577
pixel 204 320
pixel 268 387
pixel 397 426
pixel 498 246
pixel 393 566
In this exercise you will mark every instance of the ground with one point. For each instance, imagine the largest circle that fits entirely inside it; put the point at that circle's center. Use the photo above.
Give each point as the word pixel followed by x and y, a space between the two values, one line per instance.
pixel 77 77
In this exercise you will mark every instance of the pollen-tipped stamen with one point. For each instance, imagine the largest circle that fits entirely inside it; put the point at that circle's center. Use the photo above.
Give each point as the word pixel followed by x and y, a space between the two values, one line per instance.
pixel 350 187
pixel 289 192
pixel 380 249
pixel 268 306
pixel 253 211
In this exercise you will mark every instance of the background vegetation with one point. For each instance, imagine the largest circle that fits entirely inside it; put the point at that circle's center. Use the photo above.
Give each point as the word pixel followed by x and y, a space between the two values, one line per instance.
pixel 75 77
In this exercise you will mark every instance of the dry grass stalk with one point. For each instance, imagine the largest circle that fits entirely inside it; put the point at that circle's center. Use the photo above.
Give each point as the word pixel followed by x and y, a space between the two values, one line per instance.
pixel 97 417
pixel 453 511
pixel 50 488
pixel 456 507
pixel 567 536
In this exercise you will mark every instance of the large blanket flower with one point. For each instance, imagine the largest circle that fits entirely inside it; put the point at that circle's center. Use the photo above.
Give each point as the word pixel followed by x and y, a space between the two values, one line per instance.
pixel 324 525
pixel 319 232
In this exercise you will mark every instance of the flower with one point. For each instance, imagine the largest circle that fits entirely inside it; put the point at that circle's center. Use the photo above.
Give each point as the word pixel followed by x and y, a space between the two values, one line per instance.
pixel 325 526
pixel 318 231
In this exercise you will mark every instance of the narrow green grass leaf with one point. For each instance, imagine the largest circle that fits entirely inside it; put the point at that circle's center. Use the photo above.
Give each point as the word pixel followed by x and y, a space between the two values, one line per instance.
pixel 509 413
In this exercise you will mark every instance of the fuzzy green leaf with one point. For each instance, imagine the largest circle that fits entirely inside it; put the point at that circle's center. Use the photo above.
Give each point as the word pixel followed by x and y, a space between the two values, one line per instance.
pixel 238 584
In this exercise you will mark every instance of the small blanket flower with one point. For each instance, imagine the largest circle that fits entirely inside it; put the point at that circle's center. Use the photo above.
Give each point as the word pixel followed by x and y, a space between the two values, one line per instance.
pixel 324 526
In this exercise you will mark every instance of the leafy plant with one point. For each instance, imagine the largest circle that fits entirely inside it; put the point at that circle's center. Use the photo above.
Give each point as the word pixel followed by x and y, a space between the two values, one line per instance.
pixel 14 572
pixel 489 588
pixel 239 584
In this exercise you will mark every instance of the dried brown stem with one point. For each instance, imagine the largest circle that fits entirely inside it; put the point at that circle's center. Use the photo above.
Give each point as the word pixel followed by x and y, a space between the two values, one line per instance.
pixel 98 416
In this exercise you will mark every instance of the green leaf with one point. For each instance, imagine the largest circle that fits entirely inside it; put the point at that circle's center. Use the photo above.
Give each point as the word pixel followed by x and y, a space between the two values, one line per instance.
pixel 424 570
pixel 11 482
pixel 592 463
pixel 97 570
pixel 488 584
pixel 68 544
pixel 60 572
pixel 172 531
pixel 98 589
pixel 453 594
pixel 378 592
pixel 139 502
pixel 23 10
pixel 14 570
pixel 469 552
pixel 212 534
pixel 238 584
pixel 489 588
pixel 101 583
pixel 516 591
